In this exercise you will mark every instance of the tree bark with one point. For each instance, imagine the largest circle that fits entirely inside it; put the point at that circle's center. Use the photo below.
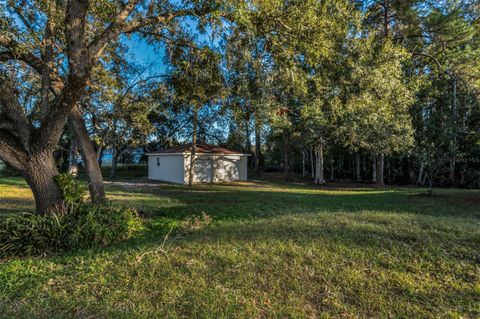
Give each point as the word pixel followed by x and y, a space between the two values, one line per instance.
pixel 319 172
pixel 463 172
pixel 451 170
pixel 312 163
pixel 100 155
pixel 248 143
pixel 357 167
pixel 39 174
pixel 331 168
pixel 379 171
pixel 73 158
pixel 113 169
pixel 92 167
pixel 194 147
pixel 304 168
pixel 286 170
pixel 389 170
pixel 257 148
pixel 420 174
pixel 374 170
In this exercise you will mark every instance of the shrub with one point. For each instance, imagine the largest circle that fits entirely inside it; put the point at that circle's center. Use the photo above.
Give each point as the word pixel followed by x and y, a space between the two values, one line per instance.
pixel 73 192
pixel 82 226
pixel 101 225
pixel 29 234
pixel 85 226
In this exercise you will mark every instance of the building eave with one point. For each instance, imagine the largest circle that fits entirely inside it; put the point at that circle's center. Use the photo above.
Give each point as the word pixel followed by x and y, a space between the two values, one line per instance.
pixel 197 154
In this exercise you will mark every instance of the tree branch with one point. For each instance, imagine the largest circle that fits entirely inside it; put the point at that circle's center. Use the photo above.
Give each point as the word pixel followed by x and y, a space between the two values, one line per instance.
pixel 120 25
pixel 47 135
pixel 13 112
pixel 10 151
pixel 97 46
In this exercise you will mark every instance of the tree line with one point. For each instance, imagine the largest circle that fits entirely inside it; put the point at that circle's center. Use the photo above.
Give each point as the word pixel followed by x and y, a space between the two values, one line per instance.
pixel 374 89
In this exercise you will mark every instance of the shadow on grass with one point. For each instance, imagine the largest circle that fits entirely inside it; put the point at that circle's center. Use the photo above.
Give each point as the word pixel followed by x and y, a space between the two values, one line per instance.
pixel 13 181
pixel 166 206
pixel 231 204
pixel 390 244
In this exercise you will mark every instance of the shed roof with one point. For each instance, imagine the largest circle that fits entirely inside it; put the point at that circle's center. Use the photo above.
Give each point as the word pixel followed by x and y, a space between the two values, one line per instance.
pixel 200 149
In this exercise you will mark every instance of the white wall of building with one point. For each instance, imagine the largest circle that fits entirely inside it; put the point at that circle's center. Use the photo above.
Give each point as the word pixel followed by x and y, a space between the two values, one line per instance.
pixel 168 168
pixel 242 165
pixel 226 169
pixel 208 168
pixel 202 169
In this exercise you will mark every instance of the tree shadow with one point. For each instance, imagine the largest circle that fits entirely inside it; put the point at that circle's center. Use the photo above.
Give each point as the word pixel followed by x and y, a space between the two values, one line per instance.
pixel 391 245
pixel 14 205
pixel 231 203
pixel 14 181
pixel 165 210
pixel 165 207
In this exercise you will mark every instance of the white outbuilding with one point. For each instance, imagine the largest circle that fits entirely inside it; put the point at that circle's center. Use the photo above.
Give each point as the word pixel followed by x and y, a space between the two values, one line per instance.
pixel 212 164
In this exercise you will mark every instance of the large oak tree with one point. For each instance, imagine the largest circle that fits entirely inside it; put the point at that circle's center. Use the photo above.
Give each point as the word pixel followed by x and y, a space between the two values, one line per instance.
pixel 60 43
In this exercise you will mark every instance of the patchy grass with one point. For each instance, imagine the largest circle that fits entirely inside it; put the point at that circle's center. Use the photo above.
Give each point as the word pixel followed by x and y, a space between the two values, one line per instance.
pixel 264 251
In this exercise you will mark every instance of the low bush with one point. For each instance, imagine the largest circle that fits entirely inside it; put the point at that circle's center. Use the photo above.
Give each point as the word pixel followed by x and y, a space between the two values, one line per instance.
pixel 101 225
pixel 83 225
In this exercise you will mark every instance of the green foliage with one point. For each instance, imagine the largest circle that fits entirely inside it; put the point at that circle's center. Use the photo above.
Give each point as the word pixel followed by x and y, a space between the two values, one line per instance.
pixel 85 226
pixel 100 225
pixel 73 192
pixel 376 116
pixel 32 234
pixel 196 78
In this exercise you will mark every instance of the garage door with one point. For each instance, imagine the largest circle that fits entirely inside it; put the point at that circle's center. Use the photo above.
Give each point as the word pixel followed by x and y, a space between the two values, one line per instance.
pixel 226 170
pixel 203 171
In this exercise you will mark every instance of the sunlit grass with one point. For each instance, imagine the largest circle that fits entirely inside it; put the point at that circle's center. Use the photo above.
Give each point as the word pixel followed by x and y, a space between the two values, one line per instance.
pixel 15 196
pixel 271 251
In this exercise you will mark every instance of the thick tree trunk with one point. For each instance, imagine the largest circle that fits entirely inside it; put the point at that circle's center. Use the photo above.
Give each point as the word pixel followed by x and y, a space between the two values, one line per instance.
pixel 92 167
pixel 374 170
pixel 39 173
pixel 319 172
pixel 357 167
pixel 379 171
pixel 257 148
pixel 194 147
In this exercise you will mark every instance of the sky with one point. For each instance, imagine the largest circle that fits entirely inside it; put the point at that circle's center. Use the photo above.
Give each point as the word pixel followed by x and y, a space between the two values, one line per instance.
pixel 140 52
pixel 154 56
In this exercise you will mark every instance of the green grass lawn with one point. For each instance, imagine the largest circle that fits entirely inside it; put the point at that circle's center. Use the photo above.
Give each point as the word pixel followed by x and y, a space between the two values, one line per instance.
pixel 265 251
